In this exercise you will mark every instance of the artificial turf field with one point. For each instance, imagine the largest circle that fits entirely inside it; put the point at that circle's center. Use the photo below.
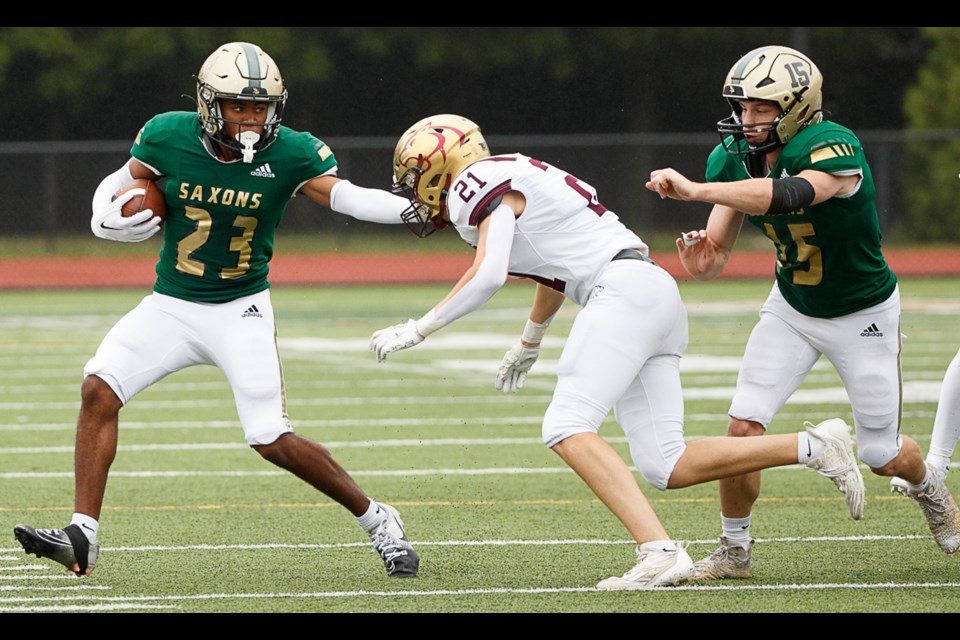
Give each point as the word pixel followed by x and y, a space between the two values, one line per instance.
pixel 195 521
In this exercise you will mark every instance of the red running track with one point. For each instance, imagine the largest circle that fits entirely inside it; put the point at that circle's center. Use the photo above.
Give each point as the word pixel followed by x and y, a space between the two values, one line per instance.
pixel 376 268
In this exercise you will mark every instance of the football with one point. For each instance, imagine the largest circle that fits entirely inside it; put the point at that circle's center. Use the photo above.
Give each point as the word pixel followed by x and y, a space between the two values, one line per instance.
pixel 153 199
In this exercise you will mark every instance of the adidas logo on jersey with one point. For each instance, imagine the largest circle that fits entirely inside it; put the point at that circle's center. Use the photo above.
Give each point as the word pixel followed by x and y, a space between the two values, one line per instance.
pixel 252 312
pixel 263 172
pixel 872 332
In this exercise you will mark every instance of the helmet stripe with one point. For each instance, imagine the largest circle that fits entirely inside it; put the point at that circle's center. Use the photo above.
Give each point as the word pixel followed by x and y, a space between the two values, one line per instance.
pixel 741 70
pixel 253 64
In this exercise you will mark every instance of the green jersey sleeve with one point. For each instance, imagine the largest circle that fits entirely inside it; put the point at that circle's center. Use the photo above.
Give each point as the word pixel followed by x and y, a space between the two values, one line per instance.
pixel 835 151
pixel 156 136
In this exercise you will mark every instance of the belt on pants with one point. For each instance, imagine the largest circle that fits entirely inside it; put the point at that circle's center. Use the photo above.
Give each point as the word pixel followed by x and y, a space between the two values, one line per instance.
pixel 632 254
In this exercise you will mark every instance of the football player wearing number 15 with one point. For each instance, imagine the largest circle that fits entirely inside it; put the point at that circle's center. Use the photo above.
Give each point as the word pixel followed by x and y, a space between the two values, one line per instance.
pixel 805 183
pixel 533 220
pixel 230 169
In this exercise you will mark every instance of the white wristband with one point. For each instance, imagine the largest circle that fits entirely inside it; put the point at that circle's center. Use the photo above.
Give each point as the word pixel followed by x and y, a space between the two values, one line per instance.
pixel 429 323
pixel 533 332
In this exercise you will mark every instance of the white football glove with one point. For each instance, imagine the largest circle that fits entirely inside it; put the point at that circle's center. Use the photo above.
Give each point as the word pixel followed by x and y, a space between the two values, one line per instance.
pixel 514 367
pixel 395 338
pixel 110 224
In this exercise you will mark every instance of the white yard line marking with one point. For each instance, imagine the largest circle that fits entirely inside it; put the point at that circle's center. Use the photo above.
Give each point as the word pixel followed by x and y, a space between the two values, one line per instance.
pixel 720 419
pixel 496 543
pixel 122 606
pixel 132 602
pixel 63 576
pixel 913 392
pixel 79 587
pixel 379 473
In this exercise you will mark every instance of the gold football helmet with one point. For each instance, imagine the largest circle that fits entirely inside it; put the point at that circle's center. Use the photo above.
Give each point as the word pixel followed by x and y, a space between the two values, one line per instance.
pixel 429 155
pixel 776 74
pixel 240 71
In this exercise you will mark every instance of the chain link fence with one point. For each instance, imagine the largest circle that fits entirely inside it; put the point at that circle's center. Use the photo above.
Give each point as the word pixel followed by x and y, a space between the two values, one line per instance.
pixel 48 186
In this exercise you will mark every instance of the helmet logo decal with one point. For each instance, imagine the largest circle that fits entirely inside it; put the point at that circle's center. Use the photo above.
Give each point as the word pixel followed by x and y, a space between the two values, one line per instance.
pixel 734 91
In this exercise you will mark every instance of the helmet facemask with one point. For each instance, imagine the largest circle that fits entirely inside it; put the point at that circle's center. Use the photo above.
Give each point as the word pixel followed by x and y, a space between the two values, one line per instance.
pixel 420 218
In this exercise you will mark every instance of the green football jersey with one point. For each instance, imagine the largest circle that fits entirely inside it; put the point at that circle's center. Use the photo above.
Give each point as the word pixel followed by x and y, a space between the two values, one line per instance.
pixel 222 216
pixel 830 261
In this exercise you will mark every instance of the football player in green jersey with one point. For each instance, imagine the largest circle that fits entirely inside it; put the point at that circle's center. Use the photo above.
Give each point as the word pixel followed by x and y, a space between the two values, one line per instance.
pixel 805 183
pixel 229 171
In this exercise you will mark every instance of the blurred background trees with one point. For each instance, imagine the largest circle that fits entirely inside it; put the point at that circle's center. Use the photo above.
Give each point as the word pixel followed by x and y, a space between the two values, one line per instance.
pixel 76 84
pixel 81 83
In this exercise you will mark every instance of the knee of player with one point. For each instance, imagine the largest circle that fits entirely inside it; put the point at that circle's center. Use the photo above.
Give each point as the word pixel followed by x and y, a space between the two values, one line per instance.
pixel 879 457
pixel 744 428
pixel 656 477
pixel 568 416
pixel 278 452
pixel 97 395
pixel 891 459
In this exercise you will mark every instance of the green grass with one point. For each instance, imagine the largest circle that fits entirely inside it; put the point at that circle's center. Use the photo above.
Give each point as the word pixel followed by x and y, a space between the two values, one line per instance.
pixel 217 529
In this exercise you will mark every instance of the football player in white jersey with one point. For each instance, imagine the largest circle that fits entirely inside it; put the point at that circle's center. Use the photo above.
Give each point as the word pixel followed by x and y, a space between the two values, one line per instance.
pixel 532 220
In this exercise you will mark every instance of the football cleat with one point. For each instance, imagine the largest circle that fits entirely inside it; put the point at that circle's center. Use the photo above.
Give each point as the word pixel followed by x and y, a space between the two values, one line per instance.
pixel 941 467
pixel 390 541
pixel 838 462
pixel 730 561
pixel 68 546
pixel 899 487
pixel 940 510
pixel 656 567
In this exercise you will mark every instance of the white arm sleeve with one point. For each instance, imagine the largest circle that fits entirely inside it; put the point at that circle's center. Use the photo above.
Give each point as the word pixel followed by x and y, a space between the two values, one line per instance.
pixel 370 205
pixel 103 196
pixel 492 273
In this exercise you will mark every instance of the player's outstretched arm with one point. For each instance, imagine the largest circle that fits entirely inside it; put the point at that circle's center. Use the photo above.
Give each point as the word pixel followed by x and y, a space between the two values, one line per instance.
pixel 751 196
pixel 484 278
pixel 756 196
pixel 342 196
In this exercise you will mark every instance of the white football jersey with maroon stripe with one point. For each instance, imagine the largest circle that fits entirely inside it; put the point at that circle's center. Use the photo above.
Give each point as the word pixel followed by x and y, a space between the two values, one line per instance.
pixel 563 238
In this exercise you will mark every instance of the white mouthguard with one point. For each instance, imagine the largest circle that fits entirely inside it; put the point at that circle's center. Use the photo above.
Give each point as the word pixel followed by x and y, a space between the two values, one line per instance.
pixel 248 139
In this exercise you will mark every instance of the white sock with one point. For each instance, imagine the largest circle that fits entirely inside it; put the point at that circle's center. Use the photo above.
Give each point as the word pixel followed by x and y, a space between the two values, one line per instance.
pixel 736 530
pixel 808 448
pixel 88 525
pixel 372 518
pixel 938 464
pixel 920 488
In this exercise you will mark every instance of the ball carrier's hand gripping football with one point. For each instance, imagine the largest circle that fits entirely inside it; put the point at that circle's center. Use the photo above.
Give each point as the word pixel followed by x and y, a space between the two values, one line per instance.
pixel 111 224
pixel 127 210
